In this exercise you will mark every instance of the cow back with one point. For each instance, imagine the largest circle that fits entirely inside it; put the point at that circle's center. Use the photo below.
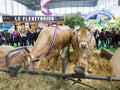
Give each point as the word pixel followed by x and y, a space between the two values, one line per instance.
pixel 51 37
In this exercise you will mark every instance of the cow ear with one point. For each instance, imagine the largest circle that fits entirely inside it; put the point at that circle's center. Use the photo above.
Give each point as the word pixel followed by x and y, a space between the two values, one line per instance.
pixel 90 29
pixel 75 30
pixel 27 55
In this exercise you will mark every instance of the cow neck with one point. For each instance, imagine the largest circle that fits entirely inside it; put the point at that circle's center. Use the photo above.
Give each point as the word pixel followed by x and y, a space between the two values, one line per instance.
pixel 77 40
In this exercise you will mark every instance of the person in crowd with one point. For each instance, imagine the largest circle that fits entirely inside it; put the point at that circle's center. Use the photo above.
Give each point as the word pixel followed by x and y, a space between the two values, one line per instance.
pixel 113 37
pixel 23 38
pixel 96 35
pixel 31 38
pixel 116 37
pixel 3 37
pixel 36 34
pixel 102 38
pixel 16 37
pixel 28 36
pixel 7 37
pixel 1 42
pixel 108 35
pixel 11 39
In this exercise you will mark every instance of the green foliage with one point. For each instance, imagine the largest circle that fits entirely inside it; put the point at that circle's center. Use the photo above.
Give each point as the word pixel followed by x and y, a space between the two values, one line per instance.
pixel 74 20
pixel 117 22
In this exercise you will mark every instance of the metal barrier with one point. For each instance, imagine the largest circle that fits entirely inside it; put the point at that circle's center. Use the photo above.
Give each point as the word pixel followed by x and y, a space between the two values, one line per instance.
pixel 63 60
pixel 79 72
pixel 75 77
pixel 10 51
pixel 14 68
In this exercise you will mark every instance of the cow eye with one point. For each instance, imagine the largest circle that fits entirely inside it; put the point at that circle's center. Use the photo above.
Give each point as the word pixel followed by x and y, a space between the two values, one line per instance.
pixel 88 34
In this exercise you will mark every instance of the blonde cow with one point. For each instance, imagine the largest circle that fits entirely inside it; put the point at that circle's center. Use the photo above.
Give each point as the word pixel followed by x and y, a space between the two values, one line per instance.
pixel 49 44
pixel 83 43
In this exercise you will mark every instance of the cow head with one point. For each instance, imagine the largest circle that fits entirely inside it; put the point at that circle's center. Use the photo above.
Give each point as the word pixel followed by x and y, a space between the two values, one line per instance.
pixel 31 62
pixel 83 36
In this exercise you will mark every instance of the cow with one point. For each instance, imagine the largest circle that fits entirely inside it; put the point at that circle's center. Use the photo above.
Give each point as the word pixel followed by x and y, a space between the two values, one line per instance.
pixel 83 43
pixel 48 45
pixel 14 57
pixel 3 49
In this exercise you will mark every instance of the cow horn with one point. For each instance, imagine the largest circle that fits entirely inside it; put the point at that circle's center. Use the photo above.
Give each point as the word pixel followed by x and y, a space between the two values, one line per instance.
pixel 76 29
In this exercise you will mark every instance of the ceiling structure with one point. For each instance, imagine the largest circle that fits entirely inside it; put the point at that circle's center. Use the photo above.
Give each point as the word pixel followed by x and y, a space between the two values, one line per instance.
pixel 35 4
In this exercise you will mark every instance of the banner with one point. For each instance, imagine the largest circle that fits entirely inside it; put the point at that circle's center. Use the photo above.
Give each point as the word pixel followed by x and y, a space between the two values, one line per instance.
pixel 45 10
pixel 31 18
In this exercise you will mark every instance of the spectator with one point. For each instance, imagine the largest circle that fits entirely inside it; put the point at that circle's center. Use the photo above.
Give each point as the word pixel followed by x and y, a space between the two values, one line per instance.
pixel 31 39
pixel 23 38
pixel 108 35
pixel 1 42
pixel 3 37
pixel 7 37
pixel 36 34
pixel 28 36
pixel 16 37
pixel 102 39
pixel 96 35
pixel 116 37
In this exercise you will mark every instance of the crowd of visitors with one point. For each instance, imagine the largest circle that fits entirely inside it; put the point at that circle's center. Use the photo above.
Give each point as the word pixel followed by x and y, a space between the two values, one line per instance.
pixel 107 38
pixel 103 37
pixel 19 38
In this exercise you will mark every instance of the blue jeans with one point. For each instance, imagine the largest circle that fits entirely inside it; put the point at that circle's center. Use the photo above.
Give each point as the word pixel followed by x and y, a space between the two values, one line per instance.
pixel 101 44
pixel 108 42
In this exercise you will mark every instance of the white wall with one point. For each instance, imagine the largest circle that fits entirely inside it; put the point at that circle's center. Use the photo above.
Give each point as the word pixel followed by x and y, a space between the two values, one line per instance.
pixel 11 7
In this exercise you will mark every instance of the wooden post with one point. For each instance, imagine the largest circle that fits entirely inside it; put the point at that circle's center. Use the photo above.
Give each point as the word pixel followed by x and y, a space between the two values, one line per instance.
pixel 106 53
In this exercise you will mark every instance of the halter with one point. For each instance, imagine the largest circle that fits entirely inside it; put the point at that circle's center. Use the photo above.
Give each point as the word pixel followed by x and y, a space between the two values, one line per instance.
pixel 54 40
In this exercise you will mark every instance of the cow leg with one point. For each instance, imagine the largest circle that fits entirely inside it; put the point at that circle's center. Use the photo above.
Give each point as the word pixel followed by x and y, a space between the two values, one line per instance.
pixel 68 53
pixel 55 64
pixel 79 61
pixel 89 67
pixel 48 64
pixel 56 61
pixel 76 57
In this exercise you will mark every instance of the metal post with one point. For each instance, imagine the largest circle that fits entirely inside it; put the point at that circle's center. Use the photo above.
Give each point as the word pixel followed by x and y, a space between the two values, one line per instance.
pixel 63 60
pixel 102 78
pixel 8 52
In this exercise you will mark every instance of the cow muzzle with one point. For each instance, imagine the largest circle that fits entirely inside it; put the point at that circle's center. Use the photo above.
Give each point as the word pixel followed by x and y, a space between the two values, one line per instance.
pixel 83 45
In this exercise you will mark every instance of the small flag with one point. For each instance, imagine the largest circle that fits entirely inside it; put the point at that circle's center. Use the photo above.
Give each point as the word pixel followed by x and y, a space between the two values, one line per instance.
pixel 100 22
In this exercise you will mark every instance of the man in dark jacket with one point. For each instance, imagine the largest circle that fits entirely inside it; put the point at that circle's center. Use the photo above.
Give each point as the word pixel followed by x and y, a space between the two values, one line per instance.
pixel 96 35
pixel 1 42
pixel 108 35
pixel 102 38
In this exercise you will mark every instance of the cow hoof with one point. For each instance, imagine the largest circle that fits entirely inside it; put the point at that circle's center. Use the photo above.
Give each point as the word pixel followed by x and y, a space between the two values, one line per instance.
pixel 89 71
pixel 56 71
